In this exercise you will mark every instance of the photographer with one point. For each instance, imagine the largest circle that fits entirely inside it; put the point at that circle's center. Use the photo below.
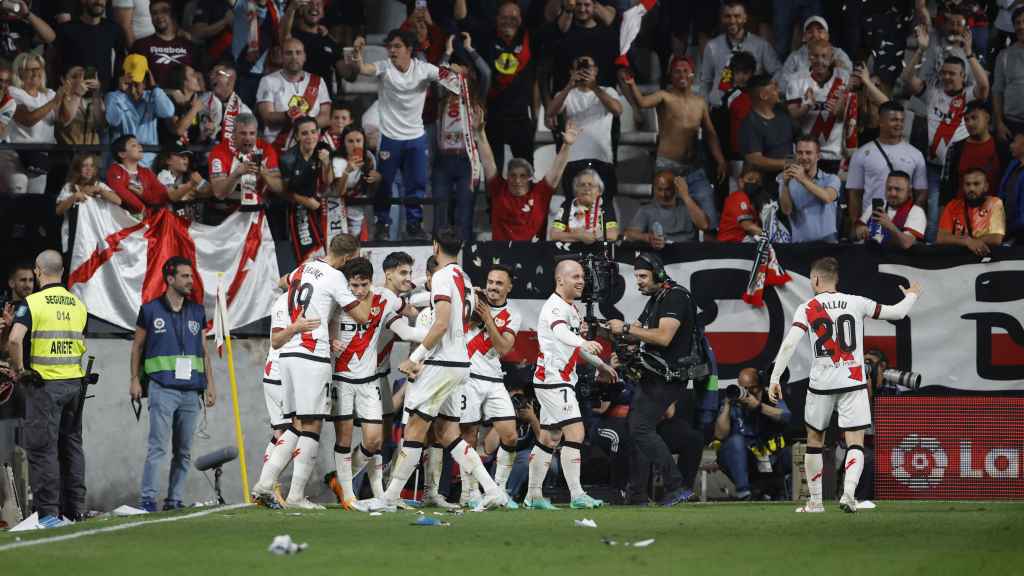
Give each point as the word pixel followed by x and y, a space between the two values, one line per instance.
pixel 751 428
pixel 528 430
pixel 671 353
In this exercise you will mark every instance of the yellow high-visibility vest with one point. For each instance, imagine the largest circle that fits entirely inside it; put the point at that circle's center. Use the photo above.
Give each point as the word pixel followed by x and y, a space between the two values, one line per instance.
pixel 57 337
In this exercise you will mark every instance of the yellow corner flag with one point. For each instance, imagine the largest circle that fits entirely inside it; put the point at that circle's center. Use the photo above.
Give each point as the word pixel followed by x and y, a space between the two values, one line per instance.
pixel 222 335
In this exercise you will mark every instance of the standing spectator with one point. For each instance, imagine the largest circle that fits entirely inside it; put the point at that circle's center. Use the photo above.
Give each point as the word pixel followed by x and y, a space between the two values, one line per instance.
pixel 1011 190
pixel 519 207
pixel 1008 92
pixel 83 185
pixel 169 356
pixel 91 41
pixel 341 118
pixel 254 32
pixel 809 195
pixel 244 168
pixel 974 220
pixel 587 216
pixel 223 104
pixel 741 214
pixel 591 108
pixel 785 13
pixel 674 211
pixel 682 116
pixel 136 107
pixel 767 134
pixel 52 322
pixel 7 104
pixel 872 163
pixel 355 173
pixel 404 83
pixel 799 62
pixel 946 102
pixel 133 16
pixel 289 94
pixel 184 183
pixel 713 80
pixel 38 111
pixel 736 105
pixel 212 24
pixel 511 52
pixel 20 31
pixel 165 49
pixel 979 150
pixel 302 22
pixel 189 124
pixel 586 36
pixel 136 185
pixel 901 223
pixel 85 108
pixel 938 46
pixel 817 102
pixel 306 174
pixel 21 282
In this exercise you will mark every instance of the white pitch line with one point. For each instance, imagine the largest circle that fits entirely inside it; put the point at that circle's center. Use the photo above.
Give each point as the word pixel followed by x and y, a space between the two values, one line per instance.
pixel 83 533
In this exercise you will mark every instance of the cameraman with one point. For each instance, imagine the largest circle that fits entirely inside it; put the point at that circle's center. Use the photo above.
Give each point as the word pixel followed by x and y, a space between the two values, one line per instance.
pixel 528 430
pixel 751 428
pixel 669 356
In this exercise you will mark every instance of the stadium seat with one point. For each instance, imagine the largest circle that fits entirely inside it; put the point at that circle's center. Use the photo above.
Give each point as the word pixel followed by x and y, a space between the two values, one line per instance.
pixel 543 158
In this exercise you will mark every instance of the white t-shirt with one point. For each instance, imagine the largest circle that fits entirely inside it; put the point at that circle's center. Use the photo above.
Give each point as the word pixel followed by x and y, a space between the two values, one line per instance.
pixel 42 132
pixel 358 358
pixel 835 329
pixel 868 170
pixel 556 363
pixel 314 289
pixel 142 24
pixel 594 122
pixel 451 284
pixel 483 358
pixel 942 108
pixel 284 94
pixel 279 320
pixel 401 97
pixel 826 127
pixel 916 222
pixel 64 194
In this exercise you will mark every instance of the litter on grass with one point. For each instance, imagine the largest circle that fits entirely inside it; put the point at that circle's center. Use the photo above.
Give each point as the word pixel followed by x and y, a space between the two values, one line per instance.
pixel 585 523
pixel 283 545
pixel 126 510
pixel 428 521
pixel 637 544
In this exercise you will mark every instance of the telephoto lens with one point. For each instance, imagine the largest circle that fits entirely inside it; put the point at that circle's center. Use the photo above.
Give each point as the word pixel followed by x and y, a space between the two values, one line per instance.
pixel 735 392
pixel 911 380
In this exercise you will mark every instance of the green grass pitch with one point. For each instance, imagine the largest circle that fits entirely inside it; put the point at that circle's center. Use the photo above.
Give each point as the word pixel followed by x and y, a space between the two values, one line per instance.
pixel 902 538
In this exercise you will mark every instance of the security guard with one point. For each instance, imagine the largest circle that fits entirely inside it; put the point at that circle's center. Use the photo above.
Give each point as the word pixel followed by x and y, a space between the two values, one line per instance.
pixel 671 354
pixel 54 320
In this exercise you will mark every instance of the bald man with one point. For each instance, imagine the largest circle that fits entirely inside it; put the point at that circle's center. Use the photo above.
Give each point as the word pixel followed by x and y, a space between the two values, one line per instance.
pixel 291 93
pixel 674 209
pixel 54 320
pixel 561 346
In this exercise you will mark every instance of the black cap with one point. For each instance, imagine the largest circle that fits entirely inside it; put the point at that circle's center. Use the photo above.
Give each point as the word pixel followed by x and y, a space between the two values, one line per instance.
pixel 178 150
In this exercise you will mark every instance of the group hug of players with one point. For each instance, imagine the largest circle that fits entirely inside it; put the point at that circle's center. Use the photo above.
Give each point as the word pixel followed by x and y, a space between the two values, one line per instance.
pixel 333 330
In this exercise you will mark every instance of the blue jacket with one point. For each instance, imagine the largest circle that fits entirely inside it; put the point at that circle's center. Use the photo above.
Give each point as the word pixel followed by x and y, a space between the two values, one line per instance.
pixel 172 335
pixel 1014 222
pixel 127 116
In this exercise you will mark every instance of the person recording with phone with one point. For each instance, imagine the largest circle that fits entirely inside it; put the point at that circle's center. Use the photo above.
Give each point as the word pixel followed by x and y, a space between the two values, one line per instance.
pixel 243 169
pixel 671 352
pixel 897 221
pixel 750 427
pixel 355 177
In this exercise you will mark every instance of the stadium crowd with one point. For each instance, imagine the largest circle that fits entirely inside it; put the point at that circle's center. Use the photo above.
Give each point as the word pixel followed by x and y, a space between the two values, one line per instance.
pixel 893 122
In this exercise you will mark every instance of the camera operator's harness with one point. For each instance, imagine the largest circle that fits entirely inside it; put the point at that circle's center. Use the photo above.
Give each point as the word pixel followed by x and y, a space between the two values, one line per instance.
pixel 693 366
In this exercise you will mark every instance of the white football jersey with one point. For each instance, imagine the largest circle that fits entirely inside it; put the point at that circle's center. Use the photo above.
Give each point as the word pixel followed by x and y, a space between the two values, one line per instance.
pixel 278 321
pixel 358 358
pixel 835 327
pixel 556 362
pixel 827 128
pixel 314 289
pixel 451 284
pixel 483 358
pixel 945 120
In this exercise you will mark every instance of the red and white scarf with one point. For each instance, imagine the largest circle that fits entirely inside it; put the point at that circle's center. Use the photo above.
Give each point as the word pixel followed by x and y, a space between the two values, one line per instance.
pixel 766 272
pixel 253 46
pixel 456 84
pixel 227 125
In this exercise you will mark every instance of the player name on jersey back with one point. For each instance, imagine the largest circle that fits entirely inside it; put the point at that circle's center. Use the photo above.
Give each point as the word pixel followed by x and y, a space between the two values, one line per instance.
pixel 314 289
pixel 556 362
pixel 483 358
pixel 450 284
pixel 835 328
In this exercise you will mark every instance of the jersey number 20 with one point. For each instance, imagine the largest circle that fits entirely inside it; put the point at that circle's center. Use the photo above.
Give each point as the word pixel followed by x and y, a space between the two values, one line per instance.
pixel 844 330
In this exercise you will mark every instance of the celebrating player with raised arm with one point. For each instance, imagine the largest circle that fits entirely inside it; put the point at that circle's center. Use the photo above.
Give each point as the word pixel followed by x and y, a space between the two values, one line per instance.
pixel 315 288
pixel 436 369
pixel 561 346
pixel 834 323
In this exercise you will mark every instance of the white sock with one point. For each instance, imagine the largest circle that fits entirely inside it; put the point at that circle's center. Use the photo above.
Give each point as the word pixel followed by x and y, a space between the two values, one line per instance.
pixel 432 476
pixel 280 456
pixel 305 464
pixel 812 469
pixel 854 467
pixel 269 449
pixel 503 467
pixel 375 472
pixel 540 461
pixel 469 461
pixel 468 485
pixel 359 459
pixel 571 459
pixel 343 465
pixel 408 460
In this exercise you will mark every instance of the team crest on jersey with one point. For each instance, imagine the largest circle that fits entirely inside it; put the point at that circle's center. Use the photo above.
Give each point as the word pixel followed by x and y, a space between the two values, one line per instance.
pixel 193 327
pixel 158 323
pixel 299 102
pixel 499 322
pixel 375 311
pixel 385 154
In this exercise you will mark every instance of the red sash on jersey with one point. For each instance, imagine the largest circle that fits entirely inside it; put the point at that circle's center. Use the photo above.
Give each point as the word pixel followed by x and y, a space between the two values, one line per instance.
pixel 312 89
pixel 815 311
pixel 852 114
pixel 823 124
pixel 482 343
pixel 945 131
pixel 294 283
pixel 360 342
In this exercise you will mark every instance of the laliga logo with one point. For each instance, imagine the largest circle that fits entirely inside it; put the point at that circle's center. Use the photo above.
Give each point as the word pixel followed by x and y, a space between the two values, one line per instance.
pixel 924 453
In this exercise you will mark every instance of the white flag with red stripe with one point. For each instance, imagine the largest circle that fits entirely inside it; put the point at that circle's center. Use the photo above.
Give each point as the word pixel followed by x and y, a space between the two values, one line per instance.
pixel 631 21
pixel 117 258
pixel 221 316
